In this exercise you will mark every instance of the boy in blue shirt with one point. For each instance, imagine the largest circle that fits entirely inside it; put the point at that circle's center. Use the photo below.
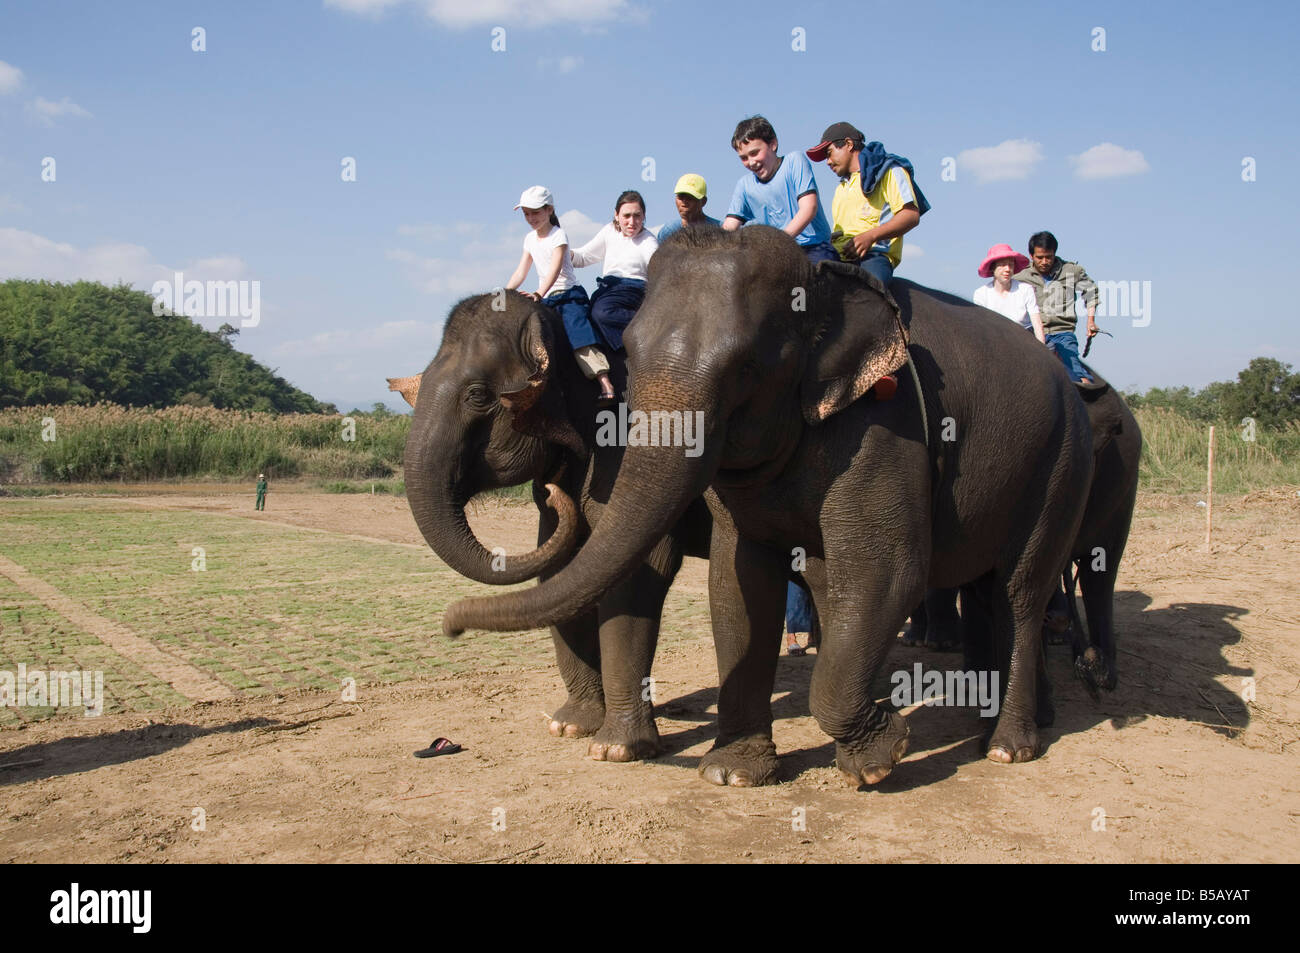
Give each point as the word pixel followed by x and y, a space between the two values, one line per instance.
pixel 781 192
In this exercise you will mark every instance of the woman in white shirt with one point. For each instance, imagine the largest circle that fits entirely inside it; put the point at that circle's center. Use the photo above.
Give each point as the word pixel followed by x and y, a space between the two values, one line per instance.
pixel 1010 298
pixel 624 247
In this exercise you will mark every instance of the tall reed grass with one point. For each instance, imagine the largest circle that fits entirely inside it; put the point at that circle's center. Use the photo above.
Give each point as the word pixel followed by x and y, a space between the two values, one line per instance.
pixel 108 442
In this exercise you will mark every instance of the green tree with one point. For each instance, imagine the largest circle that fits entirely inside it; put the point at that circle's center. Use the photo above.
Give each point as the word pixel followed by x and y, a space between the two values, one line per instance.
pixel 1267 391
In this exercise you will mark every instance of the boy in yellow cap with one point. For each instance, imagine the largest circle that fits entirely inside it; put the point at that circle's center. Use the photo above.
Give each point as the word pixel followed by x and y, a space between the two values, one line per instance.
pixel 690 193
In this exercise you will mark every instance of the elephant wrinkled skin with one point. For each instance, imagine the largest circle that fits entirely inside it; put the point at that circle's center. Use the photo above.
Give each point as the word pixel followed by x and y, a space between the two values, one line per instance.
pixel 502 403
pixel 780 358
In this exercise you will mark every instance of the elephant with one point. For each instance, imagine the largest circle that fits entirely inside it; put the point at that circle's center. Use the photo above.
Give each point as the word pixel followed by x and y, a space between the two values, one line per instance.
pixel 982 479
pixel 1097 550
pixel 500 404
pixel 1099 545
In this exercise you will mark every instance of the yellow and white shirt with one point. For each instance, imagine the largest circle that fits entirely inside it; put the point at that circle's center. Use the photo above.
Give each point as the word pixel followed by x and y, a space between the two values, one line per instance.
pixel 853 213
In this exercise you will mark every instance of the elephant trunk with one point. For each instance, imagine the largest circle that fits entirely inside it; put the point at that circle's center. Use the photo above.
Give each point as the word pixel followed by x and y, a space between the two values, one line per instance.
pixel 655 484
pixel 439 510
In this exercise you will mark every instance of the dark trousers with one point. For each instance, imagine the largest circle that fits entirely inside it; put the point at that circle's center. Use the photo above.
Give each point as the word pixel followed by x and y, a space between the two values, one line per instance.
pixel 613 305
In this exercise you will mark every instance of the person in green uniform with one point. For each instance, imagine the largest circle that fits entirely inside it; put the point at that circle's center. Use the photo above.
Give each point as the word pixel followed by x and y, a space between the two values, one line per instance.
pixel 261 491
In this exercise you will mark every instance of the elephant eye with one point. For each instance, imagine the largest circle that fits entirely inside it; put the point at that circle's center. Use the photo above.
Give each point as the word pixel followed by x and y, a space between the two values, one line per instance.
pixel 479 397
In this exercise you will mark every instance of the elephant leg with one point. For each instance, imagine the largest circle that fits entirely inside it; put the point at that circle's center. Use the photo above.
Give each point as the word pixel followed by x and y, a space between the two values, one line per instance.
pixel 1058 623
pixel 577 654
pixel 859 626
pixel 629 630
pixel 920 625
pixel 747 603
pixel 1096 665
pixel 1019 601
pixel 943 631
pixel 977 625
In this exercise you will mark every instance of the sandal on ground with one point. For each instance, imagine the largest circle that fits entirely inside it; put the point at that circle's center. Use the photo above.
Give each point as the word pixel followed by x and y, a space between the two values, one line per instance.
pixel 795 649
pixel 440 746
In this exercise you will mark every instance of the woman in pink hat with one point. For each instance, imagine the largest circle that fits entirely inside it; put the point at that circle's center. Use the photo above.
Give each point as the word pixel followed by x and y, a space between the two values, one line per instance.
pixel 1003 294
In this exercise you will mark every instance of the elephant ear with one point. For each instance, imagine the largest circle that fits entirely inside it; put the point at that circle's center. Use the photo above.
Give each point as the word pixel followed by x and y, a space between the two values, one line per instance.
pixel 860 339
pixel 536 406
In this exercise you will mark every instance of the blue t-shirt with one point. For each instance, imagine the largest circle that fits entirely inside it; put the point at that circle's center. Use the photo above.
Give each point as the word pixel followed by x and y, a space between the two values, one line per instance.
pixel 776 201
pixel 676 226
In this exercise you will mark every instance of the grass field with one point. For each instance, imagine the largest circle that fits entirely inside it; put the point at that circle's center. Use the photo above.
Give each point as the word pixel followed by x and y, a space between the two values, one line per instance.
pixel 273 607
pixel 106 443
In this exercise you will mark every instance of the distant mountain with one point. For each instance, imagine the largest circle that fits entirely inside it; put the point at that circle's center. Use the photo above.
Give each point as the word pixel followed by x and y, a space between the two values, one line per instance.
pixel 83 343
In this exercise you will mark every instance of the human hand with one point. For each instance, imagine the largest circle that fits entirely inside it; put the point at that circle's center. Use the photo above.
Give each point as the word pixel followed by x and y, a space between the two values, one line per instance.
pixel 862 244
pixel 533 295
pixel 1092 329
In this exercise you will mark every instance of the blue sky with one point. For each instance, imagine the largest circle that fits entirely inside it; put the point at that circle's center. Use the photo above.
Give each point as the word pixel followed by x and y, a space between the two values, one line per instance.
pixel 226 163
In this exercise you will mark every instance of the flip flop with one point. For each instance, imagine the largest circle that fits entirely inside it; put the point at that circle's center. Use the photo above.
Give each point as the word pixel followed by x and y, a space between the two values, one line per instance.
pixel 795 650
pixel 606 400
pixel 440 746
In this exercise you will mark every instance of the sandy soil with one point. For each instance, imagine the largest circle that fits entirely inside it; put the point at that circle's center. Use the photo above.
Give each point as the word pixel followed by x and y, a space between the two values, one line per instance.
pixel 1173 766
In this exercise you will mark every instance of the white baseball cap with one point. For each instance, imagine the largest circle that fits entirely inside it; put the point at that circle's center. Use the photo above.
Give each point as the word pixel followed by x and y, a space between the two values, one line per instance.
pixel 535 197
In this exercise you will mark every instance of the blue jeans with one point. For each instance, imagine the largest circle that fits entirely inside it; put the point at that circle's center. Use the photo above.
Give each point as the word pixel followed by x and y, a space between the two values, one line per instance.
pixel 1066 347
pixel 612 306
pixel 823 252
pixel 798 609
pixel 575 310
pixel 879 266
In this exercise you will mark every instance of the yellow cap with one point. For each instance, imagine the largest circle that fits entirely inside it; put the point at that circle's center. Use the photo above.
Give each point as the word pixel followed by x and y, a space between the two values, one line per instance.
pixel 692 184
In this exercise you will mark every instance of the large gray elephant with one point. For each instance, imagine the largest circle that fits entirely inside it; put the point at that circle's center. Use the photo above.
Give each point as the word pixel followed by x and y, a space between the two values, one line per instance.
pixel 1117 453
pixel 780 358
pixel 503 403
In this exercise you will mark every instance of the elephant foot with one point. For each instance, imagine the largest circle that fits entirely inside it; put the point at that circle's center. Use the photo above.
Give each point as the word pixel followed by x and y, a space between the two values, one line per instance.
pixel 744 762
pixel 1056 628
pixel 619 743
pixel 943 641
pixel 1013 743
pixel 1094 672
pixel 871 761
pixel 577 719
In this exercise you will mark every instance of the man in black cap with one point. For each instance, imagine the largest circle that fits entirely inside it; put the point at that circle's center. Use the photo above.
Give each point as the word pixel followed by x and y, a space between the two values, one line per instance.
pixel 875 204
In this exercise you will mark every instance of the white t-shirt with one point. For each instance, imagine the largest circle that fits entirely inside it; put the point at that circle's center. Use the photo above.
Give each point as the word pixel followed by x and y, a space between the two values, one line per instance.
pixel 623 257
pixel 543 250
pixel 1018 304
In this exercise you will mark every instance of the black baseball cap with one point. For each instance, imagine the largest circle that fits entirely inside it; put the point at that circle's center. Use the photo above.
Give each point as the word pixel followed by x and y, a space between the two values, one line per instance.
pixel 834 133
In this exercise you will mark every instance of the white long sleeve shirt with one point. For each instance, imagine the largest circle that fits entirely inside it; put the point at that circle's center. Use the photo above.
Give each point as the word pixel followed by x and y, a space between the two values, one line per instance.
pixel 623 257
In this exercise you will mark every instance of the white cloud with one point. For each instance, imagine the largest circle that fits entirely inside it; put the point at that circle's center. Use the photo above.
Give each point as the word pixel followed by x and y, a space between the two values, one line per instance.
pixel 1012 159
pixel 477 258
pixel 31 256
pixel 565 64
pixel 48 111
pixel 459 14
pixel 579 227
pixel 390 337
pixel 365 8
pixel 1107 161
pixel 912 252
pixel 11 77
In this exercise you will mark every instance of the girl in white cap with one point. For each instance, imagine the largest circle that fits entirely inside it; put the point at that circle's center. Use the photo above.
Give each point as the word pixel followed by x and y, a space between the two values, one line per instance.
pixel 547 246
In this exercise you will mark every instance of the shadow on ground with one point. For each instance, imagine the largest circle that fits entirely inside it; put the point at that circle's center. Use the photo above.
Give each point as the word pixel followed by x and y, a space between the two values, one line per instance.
pixel 1168 663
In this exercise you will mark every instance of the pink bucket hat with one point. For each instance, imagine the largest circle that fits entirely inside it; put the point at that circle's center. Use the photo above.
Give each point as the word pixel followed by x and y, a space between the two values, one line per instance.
pixel 996 254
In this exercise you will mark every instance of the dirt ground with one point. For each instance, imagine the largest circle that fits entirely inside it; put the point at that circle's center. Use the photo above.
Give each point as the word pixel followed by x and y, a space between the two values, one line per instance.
pixel 1173 766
